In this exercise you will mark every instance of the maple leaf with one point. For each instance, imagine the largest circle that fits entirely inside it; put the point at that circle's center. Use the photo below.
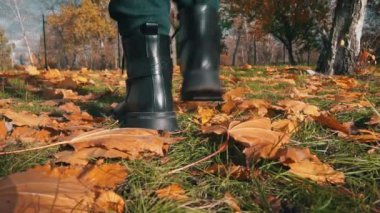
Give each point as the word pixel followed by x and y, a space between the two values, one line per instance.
pixel 304 164
pixel 126 143
pixel 258 138
pixel 172 192
pixel 25 118
pixel 205 114
pixel 299 109
pixel 61 189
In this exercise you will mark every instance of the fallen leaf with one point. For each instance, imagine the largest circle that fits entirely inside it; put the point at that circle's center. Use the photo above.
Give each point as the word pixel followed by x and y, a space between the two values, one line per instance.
pixel 3 130
pixel 70 107
pixel 25 118
pixel 125 143
pixel 375 120
pixel 299 108
pixel 258 138
pixel 285 126
pixel 82 157
pixel 32 70
pixel 306 165
pixel 331 122
pixel 105 176
pixel 172 192
pixel 205 115
pixel 260 106
pixel 232 202
pixel 54 190
pixel 52 74
pixel 109 200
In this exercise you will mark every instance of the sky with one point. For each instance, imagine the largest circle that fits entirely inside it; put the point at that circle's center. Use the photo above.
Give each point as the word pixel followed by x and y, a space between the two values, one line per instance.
pixel 31 12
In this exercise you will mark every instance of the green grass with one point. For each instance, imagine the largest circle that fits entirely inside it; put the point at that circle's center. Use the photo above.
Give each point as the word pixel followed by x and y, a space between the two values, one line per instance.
pixel 360 193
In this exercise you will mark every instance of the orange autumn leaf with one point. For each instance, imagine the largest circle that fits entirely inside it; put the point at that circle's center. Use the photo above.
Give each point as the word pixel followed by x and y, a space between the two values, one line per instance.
pixel 105 176
pixel 285 126
pixel 299 108
pixel 258 138
pixel 306 165
pixel 172 192
pixel 232 202
pixel 25 118
pixel 259 106
pixel 56 190
pixel 70 107
pixel 128 143
pixel 205 115
pixel 331 122
pixel 3 130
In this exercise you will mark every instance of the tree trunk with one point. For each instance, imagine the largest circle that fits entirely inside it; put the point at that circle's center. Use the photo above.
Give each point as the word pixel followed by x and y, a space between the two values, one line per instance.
pixel 289 47
pixel 254 51
pixel 340 52
pixel 236 48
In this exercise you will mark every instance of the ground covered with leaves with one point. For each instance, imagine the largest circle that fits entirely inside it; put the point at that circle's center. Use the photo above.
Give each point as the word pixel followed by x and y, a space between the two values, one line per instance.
pixel 285 139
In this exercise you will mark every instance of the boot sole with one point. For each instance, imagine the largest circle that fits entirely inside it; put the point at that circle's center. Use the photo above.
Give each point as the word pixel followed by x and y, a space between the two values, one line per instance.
pixel 202 95
pixel 201 85
pixel 166 121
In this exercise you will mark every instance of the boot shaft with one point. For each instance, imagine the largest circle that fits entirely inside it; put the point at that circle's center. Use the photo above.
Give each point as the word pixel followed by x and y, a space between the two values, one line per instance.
pixel 149 69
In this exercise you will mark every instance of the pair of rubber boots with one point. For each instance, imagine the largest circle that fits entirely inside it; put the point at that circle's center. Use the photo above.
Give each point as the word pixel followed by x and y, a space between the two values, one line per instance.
pixel 149 102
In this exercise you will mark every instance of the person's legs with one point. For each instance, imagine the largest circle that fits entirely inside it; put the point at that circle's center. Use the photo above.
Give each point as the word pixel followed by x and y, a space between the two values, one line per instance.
pixel 199 49
pixel 188 3
pixel 131 14
pixel 144 26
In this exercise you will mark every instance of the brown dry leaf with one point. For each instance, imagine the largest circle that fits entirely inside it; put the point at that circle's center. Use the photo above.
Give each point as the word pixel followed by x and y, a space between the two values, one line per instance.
pixel 345 82
pixel 172 192
pixel 70 107
pixel 218 129
pixel 260 106
pixel 116 143
pixel 331 122
pixel 53 190
pixel 349 107
pixel 25 118
pixel 232 98
pixel 299 108
pixel 364 136
pixel 53 74
pixel 32 70
pixel 232 202
pixel 258 138
pixel 3 130
pixel 27 134
pixel 236 93
pixel 236 172
pixel 306 165
pixel 105 176
pixel 205 115
pixel 60 94
pixel 5 102
pixel 375 120
pixel 297 94
pixel 82 157
pixel 344 96
pixel 285 126
pixel 109 200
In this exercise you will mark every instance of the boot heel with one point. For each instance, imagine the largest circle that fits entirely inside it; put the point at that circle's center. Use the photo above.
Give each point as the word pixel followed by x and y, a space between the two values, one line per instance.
pixel 151 120
pixel 201 85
